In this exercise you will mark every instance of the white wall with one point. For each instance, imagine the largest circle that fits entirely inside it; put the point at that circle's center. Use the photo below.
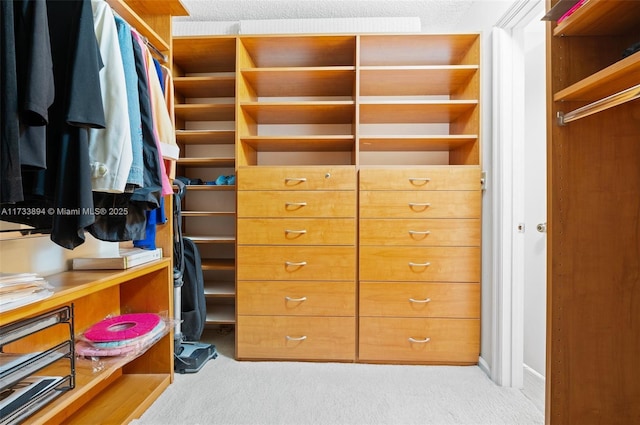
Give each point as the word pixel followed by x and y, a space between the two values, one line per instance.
pixel 40 255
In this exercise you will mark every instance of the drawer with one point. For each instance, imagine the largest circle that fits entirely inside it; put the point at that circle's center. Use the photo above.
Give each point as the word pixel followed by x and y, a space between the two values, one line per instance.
pixel 410 264
pixel 298 338
pixel 449 341
pixel 444 300
pixel 297 178
pixel 296 263
pixel 416 204
pixel 420 232
pixel 296 231
pixel 420 178
pixel 296 204
pixel 296 298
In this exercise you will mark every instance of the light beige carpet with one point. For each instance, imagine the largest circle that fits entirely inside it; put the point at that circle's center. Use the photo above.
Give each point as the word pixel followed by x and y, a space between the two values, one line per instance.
pixel 226 391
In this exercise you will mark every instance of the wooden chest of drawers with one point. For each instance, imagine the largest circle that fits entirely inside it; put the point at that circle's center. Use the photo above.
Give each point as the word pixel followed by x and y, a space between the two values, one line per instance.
pixel 296 263
pixel 419 265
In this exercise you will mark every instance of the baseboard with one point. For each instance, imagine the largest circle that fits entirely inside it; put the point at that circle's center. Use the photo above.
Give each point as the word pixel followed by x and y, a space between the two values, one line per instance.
pixel 484 366
pixel 534 387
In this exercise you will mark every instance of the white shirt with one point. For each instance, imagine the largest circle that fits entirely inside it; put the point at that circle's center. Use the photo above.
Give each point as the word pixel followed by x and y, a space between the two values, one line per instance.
pixel 110 149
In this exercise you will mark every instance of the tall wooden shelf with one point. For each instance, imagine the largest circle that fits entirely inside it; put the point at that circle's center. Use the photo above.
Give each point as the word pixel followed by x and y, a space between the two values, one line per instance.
pixel 593 216
pixel 315 115
pixel 205 87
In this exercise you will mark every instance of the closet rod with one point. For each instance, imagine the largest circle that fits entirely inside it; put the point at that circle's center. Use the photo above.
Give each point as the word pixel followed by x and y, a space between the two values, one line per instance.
pixel 154 49
pixel 619 98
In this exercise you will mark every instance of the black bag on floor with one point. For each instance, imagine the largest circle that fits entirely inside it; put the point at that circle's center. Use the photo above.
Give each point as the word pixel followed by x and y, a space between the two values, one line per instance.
pixel 187 275
pixel 194 310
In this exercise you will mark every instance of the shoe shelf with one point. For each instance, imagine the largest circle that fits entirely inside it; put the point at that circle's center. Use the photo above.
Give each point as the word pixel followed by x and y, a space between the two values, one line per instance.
pixel 208 188
pixel 205 112
pixel 206 137
pixel 302 143
pixel 414 80
pixel 206 86
pixel 205 93
pixel 415 143
pixel 211 239
pixel 207 162
pixel 310 81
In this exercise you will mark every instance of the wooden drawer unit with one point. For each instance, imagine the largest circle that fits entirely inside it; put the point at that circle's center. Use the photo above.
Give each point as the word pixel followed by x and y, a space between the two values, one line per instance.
pixel 420 204
pixel 420 232
pixel 299 338
pixel 400 299
pixel 296 231
pixel 410 264
pixel 441 341
pixel 296 263
pixel 297 178
pixel 296 298
pixel 282 204
pixel 420 178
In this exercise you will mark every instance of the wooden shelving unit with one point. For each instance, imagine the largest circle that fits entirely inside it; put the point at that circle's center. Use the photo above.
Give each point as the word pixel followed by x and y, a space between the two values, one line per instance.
pixel 311 112
pixel 96 295
pixel 593 216
pixel 205 87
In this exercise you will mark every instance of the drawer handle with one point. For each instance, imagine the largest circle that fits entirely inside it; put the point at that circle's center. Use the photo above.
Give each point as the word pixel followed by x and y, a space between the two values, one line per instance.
pixel 299 338
pixel 296 300
pixel 298 232
pixel 292 181
pixel 423 180
pixel 295 264
pixel 412 264
pixel 419 232
pixel 426 300
pixel 295 204
pixel 420 204
pixel 419 341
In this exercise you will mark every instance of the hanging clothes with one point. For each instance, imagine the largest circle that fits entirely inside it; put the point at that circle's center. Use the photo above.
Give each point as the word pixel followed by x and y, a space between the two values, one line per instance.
pixel 136 172
pixel 11 176
pixel 36 89
pixel 110 149
pixel 61 196
pixel 133 226
pixel 162 129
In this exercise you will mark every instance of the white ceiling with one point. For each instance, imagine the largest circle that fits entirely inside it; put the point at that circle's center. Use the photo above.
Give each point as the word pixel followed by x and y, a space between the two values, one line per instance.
pixel 435 15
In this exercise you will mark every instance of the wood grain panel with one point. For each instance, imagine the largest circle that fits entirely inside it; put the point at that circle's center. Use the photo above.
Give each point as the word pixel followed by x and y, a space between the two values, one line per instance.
pixel 296 298
pixel 420 232
pixel 297 178
pixel 413 204
pixel 295 263
pixel 410 264
pixel 420 178
pixel 296 204
pixel 296 338
pixel 451 341
pixel 298 231
pixel 398 299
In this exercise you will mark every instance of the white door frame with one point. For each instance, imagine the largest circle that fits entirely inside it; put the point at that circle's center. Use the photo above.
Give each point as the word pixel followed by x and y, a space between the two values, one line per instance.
pixel 508 182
